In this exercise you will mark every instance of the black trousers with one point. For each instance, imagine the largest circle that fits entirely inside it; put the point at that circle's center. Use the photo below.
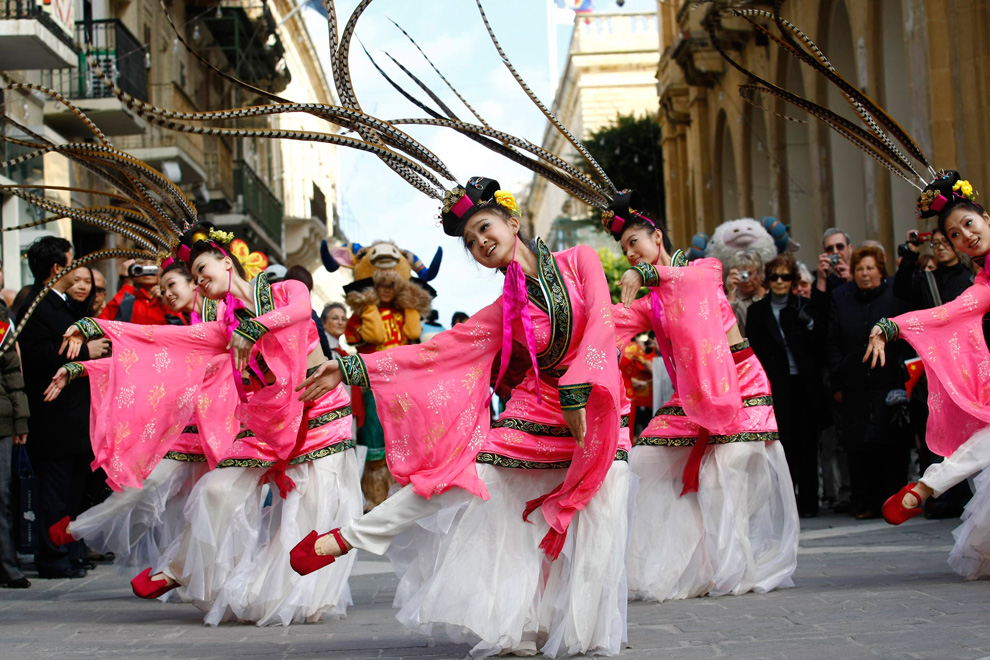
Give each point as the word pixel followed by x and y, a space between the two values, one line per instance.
pixel 62 491
pixel 797 422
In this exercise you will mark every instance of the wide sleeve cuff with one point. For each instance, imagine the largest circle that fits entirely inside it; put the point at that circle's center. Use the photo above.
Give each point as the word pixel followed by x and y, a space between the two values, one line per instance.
pixel 890 329
pixel 679 259
pixel 251 330
pixel 648 273
pixel 574 397
pixel 353 370
pixel 89 328
pixel 76 370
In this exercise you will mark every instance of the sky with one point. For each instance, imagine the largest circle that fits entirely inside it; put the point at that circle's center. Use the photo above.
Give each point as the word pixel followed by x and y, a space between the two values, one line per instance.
pixel 375 202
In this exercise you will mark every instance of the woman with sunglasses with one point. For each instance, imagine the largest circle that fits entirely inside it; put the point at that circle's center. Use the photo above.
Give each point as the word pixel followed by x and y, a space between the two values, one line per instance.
pixel 781 331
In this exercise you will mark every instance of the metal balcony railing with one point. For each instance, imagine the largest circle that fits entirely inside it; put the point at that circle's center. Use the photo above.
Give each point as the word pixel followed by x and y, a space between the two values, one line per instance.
pixel 258 200
pixel 32 10
pixel 120 56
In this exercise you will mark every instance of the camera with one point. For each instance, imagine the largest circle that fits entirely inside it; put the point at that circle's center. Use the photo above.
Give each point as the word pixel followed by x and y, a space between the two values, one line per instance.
pixel 744 276
pixel 834 258
pixel 913 238
pixel 137 270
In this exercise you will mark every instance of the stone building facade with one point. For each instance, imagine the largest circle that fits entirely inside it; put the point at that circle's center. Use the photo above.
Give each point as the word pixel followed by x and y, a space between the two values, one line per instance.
pixel 926 61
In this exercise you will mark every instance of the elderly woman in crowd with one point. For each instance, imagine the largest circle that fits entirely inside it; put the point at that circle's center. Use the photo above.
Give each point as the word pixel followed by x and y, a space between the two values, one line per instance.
pixel 869 404
pixel 744 284
pixel 781 331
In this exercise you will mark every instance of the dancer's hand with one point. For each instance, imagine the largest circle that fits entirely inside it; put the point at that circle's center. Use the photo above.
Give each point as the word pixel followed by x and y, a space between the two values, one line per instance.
pixel 876 348
pixel 72 342
pixel 326 377
pixel 59 381
pixel 630 284
pixel 242 351
pixel 577 422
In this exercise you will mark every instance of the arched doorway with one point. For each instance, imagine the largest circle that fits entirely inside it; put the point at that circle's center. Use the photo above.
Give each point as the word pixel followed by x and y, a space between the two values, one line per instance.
pixel 796 194
pixel 728 183
pixel 897 102
pixel 846 162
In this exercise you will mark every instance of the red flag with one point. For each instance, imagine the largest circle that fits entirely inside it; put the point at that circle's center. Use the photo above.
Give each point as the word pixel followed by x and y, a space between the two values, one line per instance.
pixel 916 370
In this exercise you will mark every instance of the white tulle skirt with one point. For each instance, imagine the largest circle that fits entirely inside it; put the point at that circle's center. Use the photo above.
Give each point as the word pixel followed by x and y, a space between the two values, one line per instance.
pixel 738 533
pixel 474 570
pixel 233 556
pixel 970 556
pixel 136 524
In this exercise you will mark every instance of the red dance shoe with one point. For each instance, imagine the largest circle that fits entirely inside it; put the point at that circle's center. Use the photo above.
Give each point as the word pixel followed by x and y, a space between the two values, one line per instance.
pixel 303 557
pixel 893 509
pixel 59 532
pixel 144 587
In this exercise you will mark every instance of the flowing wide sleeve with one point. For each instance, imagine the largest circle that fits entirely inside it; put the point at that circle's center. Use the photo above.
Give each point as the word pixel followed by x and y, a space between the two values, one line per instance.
pixel 949 339
pixel 689 311
pixel 432 401
pixel 159 378
pixel 592 381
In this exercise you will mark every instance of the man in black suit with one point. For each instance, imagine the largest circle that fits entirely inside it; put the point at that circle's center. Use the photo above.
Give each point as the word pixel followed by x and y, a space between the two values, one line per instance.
pixel 59 445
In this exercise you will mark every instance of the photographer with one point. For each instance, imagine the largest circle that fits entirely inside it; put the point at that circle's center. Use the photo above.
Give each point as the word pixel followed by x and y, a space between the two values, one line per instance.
pixel 139 298
pixel 924 290
pixel 744 284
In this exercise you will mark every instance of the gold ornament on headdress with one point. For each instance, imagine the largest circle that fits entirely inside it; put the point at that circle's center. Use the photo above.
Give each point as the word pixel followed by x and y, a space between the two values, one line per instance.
pixel 507 201
pixel 220 236
pixel 607 216
pixel 926 199
pixel 451 197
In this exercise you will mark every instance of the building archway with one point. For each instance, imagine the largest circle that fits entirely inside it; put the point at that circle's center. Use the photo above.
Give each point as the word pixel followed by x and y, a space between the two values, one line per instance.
pixel 897 102
pixel 846 162
pixel 797 201
pixel 728 181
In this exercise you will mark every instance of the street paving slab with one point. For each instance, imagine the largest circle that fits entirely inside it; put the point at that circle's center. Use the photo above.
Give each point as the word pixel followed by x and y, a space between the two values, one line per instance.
pixel 862 590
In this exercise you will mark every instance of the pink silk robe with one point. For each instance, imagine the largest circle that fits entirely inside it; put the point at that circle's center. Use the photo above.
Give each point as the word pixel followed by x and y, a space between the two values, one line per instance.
pixel 162 378
pixel 432 398
pixel 690 314
pixel 949 339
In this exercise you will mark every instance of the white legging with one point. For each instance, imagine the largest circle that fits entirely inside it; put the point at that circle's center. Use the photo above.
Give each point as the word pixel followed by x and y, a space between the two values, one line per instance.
pixel 966 461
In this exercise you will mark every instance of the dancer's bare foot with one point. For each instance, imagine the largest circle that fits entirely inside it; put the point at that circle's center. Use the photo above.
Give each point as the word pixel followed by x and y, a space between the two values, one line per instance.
pixel 328 545
pixel 923 491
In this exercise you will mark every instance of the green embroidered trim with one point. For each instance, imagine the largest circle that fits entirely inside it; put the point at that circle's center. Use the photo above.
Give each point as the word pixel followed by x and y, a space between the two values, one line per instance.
pixel 186 458
pixel 314 423
pixel 762 436
pixel 322 452
pixel 536 428
pixel 535 292
pixel 890 329
pixel 209 310
pixel 251 330
pixel 354 371
pixel 741 346
pixel 561 313
pixel 679 259
pixel 677 411
pixel 498 460
pixel 75 370
pixel 648 273
pixel 89 328
pixel 573 397
pixel 192 428
pixel 263 301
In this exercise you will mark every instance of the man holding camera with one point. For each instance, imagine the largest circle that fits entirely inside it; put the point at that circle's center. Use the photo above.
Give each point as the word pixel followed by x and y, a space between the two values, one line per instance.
pixel 139 298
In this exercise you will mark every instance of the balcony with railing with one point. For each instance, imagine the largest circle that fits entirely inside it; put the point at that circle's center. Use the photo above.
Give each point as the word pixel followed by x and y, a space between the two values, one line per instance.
pixel 259 202
pixel 121 58
pixel 36 35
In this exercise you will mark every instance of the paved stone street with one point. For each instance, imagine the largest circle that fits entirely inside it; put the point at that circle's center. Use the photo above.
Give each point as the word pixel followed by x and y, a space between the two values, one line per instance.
pixel 864 590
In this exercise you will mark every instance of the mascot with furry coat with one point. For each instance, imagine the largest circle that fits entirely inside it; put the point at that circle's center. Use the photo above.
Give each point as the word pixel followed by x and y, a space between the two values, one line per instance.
pixel 388 305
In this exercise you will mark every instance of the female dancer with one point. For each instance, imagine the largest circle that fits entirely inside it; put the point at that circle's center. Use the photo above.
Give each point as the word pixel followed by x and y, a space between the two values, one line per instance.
pixel 715 509
pixel 136 524
pixel 951 343
pixel 232 553
pixel 467 558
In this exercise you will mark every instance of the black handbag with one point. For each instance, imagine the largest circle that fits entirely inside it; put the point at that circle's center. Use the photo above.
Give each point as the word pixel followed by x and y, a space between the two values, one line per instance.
pixel 25 495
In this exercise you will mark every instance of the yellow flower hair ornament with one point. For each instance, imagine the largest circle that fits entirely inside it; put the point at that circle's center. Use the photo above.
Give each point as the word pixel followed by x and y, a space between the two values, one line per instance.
pixel 507 201
pixel 965 189
pixel 253 262
pixel 220 236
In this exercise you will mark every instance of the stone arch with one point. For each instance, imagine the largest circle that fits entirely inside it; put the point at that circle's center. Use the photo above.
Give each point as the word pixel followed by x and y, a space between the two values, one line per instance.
pixel 897 101
pixel 727 181
pixel 796 193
